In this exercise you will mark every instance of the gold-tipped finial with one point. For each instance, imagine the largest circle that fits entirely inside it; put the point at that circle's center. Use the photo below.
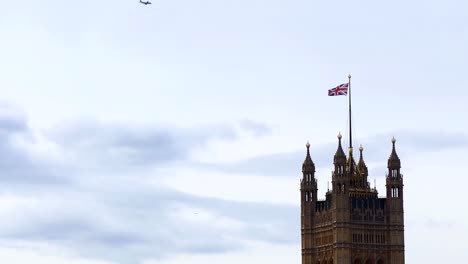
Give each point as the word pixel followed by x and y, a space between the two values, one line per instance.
pixel 393 140
pixel 339 135
pixel 350 150
pixel 307 144
pixel 361 148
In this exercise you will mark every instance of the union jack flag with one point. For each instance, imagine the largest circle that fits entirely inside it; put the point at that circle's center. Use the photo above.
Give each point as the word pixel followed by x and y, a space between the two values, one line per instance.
pixel 341 89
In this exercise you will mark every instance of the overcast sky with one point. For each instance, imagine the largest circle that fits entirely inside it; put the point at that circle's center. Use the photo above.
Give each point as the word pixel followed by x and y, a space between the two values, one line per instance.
pixel 175 132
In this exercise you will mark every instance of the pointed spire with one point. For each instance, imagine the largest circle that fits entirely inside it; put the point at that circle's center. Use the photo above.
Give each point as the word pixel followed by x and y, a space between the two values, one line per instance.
pixel 361 164
pixel 340 156
pixel 351 163
pixel 393 160
pixel 308 165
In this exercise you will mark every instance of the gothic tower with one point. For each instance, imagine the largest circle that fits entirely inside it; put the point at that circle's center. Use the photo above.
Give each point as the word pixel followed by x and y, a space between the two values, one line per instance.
pixel 352 225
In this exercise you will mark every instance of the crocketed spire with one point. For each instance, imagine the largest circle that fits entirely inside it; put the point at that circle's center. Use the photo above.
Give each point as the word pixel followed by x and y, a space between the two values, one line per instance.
pixel 340 157
pixel 393 160
pixel 308 166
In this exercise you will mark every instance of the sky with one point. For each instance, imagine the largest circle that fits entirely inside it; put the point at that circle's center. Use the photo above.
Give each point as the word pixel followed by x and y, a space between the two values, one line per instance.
pixel 175 132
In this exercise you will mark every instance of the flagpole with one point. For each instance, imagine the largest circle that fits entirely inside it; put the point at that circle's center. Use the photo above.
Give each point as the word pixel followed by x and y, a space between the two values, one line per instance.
pixel 349 102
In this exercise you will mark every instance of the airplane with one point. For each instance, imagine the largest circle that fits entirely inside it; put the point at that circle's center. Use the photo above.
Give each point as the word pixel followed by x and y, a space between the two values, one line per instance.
pixel 145 3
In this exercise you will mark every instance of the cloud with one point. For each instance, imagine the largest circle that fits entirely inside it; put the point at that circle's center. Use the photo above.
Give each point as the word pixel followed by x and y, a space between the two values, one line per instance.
pixel 98 196
pixel 17 165
pixel 130 222
pixel 107 145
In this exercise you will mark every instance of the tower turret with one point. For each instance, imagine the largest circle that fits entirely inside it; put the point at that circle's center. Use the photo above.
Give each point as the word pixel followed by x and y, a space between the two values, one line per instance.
pixel 308 166
pixel 394 177
pixel 339 178
pixel 394 208
pixel 340 201
pixel 394 164
pixel 308 181
pixel 308 205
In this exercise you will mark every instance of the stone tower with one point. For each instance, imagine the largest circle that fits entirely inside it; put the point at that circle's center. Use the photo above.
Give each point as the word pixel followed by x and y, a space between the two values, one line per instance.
pixel 352 225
